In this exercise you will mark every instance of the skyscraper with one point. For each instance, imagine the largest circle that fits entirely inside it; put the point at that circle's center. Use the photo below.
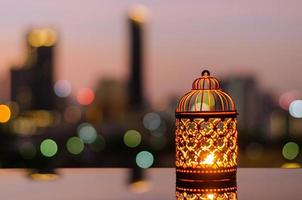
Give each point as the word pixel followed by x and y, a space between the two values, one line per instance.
pixel 137 17
pixel 32 84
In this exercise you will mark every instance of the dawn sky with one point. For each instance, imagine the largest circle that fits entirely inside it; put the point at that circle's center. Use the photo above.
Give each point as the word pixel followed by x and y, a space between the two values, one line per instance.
pixel 257 37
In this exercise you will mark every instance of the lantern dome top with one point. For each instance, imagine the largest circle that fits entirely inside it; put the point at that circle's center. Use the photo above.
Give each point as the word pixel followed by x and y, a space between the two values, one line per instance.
pixel 206 97
pixel 205 82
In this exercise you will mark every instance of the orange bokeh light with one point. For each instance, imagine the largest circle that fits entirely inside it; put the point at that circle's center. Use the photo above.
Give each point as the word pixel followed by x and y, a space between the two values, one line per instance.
pixel 85 96
pixel 5 113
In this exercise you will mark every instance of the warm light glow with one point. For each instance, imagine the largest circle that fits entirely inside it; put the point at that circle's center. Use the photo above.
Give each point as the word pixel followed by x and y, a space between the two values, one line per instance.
pixel 138 14
pixel 209 160
pixel 285 99
pixel 192 138
pixel 291 165
pixel 210 196
pixel 85 96
pixel 5 113
pixel 23 126
pixel 42 37
pixel 43 176
pixel 42 118
pixel 140 186
pixel 231 195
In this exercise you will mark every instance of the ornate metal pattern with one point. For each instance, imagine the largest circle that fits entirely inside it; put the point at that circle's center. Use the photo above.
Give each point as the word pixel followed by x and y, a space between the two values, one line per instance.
pixel 206 144
pixel 207 196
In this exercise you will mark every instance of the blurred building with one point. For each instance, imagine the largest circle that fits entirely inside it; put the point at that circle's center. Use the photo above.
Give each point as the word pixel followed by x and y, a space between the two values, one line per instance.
pixel 136 18
pixel 253 104
pixel 32 83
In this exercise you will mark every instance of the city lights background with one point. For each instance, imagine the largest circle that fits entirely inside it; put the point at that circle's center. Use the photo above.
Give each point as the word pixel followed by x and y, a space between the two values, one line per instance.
pixel 85 114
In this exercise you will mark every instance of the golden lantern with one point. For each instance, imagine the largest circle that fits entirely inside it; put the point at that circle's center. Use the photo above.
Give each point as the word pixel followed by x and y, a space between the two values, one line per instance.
pixel 206 142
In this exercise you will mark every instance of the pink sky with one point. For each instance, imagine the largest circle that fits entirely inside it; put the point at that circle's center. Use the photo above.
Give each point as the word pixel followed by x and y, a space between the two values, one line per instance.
pixel 263 38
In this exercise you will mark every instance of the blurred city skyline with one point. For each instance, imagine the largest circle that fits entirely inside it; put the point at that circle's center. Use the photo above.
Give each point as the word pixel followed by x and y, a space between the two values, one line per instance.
pixel 93 41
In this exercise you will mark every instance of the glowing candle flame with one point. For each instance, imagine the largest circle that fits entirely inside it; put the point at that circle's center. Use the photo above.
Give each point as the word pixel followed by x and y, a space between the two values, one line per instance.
pixel 209 159
pixel 210 196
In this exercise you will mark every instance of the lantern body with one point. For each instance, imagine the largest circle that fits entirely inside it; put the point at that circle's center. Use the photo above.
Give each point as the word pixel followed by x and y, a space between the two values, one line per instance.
pixel 206 142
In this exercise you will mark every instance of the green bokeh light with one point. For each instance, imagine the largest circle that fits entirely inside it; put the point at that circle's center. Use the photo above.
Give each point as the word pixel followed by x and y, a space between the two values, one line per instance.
pixel 75 145
pixel 132 138
pixel 144 159
pixel 290 150
pixel 48 147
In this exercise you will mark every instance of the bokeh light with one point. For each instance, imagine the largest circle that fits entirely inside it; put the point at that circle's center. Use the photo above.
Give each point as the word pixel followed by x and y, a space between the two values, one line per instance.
pixel 99 144
pixel 290 150
pixel 138 13
pixel 295 109
pixel 42 118
pixel 285 99
pixel 85 96
pixel 87 133
pixel 27 150
pixel 5 113
pixel 151 121
pixel 43 176
pixel 291 165
pixel 144 159
pixel 75 145
pixel 48 147
pixel 72 114
pixel 132 138
pixel 23 126
pixel 62 88
pixel 42 37
pixel 210 196
pixel 140 186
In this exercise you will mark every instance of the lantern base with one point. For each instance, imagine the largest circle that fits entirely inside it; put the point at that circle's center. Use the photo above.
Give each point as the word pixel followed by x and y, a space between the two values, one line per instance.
pixel 206 184
pixel 206 174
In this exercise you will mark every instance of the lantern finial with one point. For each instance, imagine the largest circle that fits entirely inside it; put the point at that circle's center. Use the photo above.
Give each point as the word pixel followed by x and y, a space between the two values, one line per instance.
pixel 205 73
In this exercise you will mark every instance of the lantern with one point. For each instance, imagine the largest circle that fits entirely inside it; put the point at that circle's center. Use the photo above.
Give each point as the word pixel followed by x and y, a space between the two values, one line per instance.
pixel 206 142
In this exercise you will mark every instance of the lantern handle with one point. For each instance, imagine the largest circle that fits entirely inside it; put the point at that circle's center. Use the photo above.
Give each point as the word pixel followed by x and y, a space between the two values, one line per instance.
pixel 205 73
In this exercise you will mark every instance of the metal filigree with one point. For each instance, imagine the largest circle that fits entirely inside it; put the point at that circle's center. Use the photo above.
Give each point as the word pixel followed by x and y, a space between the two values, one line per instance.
pixel 203 144
pixel 206 196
